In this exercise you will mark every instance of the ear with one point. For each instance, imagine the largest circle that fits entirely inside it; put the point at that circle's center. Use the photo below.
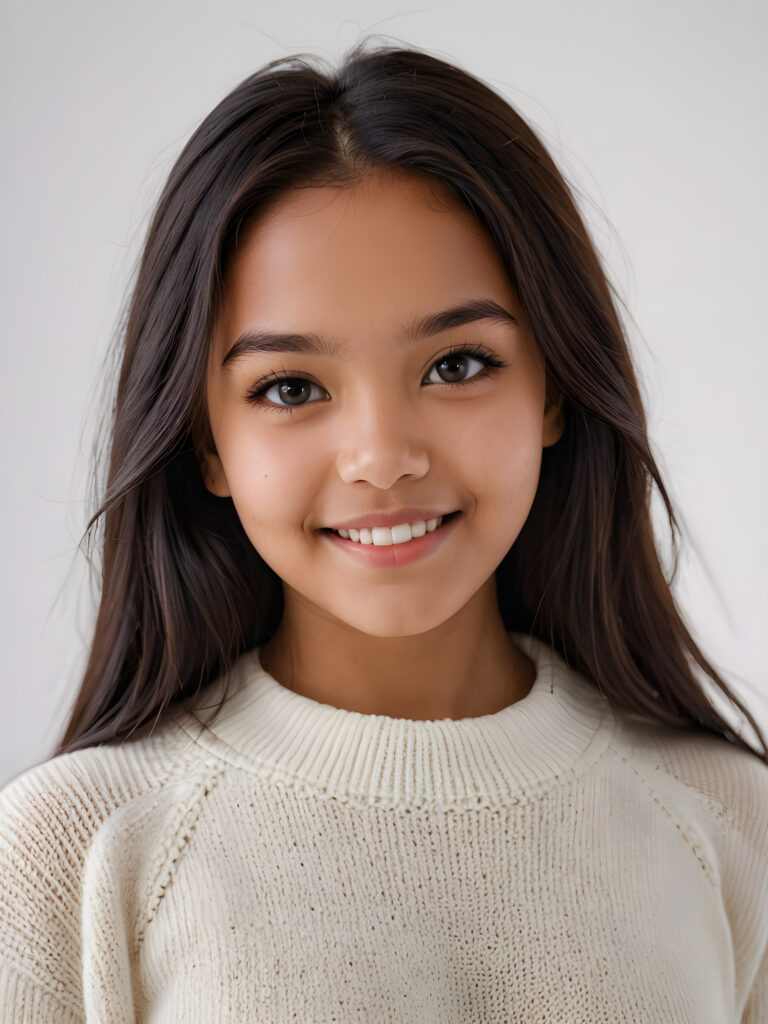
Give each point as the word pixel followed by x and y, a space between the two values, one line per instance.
pixel 211 468
pixel 553 426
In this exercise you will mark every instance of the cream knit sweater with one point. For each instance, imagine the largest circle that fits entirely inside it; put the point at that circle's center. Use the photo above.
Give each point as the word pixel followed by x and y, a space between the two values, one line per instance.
pixel 553 863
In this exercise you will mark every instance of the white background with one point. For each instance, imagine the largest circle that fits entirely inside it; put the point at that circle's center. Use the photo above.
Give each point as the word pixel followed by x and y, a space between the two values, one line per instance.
pixel 655 112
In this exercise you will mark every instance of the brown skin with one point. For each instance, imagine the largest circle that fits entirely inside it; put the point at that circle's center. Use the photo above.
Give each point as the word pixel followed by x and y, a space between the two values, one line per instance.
pixel 420 641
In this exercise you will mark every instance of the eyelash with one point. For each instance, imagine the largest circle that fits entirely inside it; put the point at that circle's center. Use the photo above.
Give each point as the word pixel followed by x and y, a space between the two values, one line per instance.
pixel 256 394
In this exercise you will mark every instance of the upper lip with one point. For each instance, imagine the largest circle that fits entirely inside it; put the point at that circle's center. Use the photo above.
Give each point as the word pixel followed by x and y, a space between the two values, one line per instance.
pixel 403 515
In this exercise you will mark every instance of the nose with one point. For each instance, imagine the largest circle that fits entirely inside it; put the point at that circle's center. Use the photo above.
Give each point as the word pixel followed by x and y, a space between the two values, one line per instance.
pixel 380 442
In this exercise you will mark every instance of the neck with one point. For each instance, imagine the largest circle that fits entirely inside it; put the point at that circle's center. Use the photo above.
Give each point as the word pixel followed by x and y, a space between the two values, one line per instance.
pixel 464 668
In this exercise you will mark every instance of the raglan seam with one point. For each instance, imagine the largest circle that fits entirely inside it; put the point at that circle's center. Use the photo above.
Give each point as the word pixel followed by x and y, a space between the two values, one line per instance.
pixel 175 848
pixel 684 827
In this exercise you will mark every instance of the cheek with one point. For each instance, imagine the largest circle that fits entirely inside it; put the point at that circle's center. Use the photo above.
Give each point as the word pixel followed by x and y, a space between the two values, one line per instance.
pixel 502 451
pixel 272 478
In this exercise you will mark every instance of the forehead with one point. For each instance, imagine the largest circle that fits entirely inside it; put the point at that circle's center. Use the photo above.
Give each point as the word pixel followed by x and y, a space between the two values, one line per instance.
pixel 332 259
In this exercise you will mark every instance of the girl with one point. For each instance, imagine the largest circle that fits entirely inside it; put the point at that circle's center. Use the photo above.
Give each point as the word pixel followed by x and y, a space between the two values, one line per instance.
pixel 389 713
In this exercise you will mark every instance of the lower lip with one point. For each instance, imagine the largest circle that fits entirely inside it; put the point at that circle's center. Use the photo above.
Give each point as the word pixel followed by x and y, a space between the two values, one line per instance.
pixel 392 556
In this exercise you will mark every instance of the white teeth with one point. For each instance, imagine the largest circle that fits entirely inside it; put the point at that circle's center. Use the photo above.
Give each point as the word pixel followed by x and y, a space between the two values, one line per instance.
pixel 385 535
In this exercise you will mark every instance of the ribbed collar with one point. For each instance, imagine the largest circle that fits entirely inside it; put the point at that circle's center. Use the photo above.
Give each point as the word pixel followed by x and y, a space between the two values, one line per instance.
pixel 559 729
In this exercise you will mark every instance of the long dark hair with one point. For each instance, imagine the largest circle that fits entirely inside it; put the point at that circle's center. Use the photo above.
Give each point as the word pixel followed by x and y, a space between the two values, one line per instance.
pixel 183 591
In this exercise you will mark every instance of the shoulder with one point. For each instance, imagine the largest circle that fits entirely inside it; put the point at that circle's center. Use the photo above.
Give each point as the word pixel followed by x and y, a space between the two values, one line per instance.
pixel 715 793
pixel 55 811
pixel 77 831
pixel 709 770
pixel 90 784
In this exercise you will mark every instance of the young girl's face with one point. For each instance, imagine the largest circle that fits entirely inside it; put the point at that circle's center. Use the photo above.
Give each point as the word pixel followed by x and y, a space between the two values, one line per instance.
pixel 375 419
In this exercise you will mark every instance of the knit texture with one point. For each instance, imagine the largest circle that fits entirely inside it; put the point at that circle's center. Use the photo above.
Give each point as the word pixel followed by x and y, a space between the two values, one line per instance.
pixel 556 862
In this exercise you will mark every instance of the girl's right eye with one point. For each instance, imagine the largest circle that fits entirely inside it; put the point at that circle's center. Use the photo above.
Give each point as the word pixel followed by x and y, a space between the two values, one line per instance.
pixel 293 391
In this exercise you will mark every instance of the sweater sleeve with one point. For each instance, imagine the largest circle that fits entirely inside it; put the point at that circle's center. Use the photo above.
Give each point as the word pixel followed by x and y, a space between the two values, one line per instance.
pixel 41 857
pixel 85 844
pixel 749 880
pixel 733 784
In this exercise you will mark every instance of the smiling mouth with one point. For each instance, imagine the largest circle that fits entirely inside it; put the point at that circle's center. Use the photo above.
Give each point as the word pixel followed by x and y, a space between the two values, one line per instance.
pixel 443 520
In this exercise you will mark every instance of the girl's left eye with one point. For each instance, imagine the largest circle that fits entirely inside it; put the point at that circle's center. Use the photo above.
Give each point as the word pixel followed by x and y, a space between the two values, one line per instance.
pixel 294 389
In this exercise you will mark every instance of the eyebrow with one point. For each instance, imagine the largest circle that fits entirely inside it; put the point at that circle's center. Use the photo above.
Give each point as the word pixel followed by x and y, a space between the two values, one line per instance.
pixel 255 340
